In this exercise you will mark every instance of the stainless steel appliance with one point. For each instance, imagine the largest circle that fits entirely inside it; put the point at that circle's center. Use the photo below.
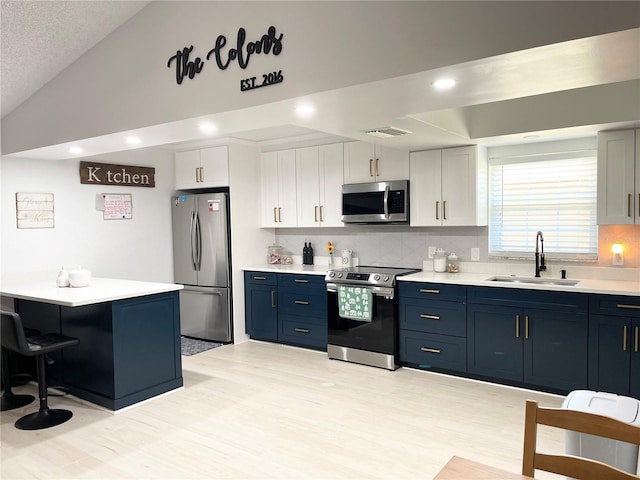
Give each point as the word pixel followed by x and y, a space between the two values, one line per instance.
pixel 377 202
pixel 372 339
pixel 201 262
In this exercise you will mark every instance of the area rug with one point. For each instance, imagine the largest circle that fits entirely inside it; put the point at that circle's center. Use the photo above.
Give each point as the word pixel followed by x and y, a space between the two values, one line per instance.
pixel 192 346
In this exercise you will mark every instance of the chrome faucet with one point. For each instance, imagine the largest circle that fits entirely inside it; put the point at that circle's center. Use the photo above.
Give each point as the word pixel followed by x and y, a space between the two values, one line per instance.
pixel 540 266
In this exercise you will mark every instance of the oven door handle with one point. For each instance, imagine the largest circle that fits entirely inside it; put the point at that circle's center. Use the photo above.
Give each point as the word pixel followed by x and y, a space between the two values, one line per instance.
pixel 386 292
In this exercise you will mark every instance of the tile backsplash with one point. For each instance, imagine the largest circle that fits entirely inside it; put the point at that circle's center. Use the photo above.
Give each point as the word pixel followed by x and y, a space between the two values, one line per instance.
pixel 400 246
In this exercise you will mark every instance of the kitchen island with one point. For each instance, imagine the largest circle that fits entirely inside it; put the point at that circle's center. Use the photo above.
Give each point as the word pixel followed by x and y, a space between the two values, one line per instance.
pixel 129 334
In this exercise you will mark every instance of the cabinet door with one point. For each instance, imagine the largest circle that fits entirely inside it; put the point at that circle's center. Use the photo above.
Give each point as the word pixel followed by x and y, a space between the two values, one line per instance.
pixel 616 177
pixel 331 179
pixel 186 168
pixel 555 349
pixel 261 311
pixel 215 167
pixel 494 341
pixel 634 388
pixel 391 164
pixel 269 183
pixel 287 195
pixel 308 186
pixel 359 162
pixel 425 188
pixel 459 190
pixel 609 362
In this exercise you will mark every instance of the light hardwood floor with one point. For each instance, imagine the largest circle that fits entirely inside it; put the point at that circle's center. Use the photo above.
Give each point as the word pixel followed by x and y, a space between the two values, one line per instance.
pixel 261 411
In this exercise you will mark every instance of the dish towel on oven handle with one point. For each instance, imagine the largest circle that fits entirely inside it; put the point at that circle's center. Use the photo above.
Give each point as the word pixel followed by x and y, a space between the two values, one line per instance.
pixel 355 303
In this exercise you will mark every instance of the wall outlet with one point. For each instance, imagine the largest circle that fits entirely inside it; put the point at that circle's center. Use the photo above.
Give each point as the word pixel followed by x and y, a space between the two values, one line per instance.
pixel 475 254
pixel 431 251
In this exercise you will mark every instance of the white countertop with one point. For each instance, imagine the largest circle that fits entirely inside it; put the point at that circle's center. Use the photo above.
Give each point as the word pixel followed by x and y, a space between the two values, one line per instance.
pixel 43 289
pixel 591 285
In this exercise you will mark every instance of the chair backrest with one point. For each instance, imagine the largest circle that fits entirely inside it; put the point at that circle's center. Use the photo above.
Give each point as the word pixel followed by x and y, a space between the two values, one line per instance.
pixel 569 465
pixel 12 332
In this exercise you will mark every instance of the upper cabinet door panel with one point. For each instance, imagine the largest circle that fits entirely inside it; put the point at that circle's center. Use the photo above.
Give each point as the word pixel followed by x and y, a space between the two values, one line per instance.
pixel 425 188
pixel 186 169
pixel 359 162
pixel 308 186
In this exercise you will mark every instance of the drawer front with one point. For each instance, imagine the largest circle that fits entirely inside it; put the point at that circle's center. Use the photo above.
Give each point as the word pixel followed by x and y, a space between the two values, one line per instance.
pixel 515 297
pixel 428 350
pixel 295 301
pixel 261 278
pixel 302 331
pixel 291 280
pixel 445 318
pixel 618 305
pixel 432 291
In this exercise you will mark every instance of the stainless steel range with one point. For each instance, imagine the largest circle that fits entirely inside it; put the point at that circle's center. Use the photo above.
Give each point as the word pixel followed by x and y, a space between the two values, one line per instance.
pixel 363 315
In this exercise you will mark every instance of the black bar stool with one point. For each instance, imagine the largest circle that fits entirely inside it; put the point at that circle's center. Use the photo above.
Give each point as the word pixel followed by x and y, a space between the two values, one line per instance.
pixel 14 338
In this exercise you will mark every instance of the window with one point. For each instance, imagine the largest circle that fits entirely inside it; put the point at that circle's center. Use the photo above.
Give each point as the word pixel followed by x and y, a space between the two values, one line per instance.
pixel 552 191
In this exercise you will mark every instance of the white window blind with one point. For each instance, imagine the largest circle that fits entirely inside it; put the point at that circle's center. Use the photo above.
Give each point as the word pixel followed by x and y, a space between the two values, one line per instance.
pixel 552 192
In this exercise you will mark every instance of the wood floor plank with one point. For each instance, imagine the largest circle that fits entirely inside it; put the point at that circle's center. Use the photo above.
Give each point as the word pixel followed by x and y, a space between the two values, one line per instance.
pixel 261 411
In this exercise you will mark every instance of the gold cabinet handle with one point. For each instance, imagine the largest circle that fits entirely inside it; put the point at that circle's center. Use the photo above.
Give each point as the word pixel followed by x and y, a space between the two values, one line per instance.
pixel 637 339
pixel 517 326
pixel 426 290
pixel 437 210
pixel 302 330
pixel 629 205
pixel 371 167
pixel 377 173
pixel 444 210
pixel 623 305
pixel 273 299
pixel 202 174
pixel 300 280
pixel 431 350
pixel 300 302
pixel 624 338
pixel 429 317
pixel 526 326
pixel 315 213
pixel 275 219
pixel 280 214
pixel 197 174
pixel 321 219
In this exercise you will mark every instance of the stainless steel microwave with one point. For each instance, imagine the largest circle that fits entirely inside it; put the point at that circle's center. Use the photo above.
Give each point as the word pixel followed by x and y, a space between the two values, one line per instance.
pixel 378 202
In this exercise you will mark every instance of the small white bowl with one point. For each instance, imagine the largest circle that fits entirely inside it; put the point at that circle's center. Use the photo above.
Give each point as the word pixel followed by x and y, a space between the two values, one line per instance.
pixel 79 278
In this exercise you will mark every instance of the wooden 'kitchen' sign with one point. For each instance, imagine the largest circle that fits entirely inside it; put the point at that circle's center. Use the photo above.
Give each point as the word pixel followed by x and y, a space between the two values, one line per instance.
pixel 107 174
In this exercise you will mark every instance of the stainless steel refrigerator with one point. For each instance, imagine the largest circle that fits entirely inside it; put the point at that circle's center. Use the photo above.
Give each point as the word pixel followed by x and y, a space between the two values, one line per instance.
pixel 201 262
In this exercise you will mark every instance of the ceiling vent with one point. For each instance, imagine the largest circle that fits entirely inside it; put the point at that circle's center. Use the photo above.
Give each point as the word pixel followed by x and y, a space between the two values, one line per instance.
pixel 386 132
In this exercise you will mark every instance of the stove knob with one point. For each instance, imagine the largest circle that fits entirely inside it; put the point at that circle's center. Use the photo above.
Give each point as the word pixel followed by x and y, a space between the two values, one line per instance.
pixel 332 274
pixel 376 277
pixel 386 278
pixel 339 275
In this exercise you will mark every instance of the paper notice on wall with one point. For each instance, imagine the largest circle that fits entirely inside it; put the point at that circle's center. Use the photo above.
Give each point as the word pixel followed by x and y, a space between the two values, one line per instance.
pixel 114 206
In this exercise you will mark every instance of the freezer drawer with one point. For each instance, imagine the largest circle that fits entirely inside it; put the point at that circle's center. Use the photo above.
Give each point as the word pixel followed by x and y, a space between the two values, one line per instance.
pixel 204 313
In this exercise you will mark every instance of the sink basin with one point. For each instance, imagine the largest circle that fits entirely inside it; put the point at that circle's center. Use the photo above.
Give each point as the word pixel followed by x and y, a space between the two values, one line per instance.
pixel 534 280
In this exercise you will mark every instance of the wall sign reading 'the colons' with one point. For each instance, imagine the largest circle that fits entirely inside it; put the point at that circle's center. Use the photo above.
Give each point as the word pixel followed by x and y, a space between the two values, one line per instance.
pixel 224 53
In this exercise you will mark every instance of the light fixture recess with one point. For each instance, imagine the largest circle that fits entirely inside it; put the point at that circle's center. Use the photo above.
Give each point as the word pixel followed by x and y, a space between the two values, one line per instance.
pixel 133 140
pixel 444 84
pixel 208 127
pixel 386 132
pixel 305 110
pixel 75 150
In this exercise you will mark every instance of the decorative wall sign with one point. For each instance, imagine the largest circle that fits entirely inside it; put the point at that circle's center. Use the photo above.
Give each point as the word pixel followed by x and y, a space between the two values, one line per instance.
pixel 114 206
pixel 92 173
pixel 34 210
pixel 241 52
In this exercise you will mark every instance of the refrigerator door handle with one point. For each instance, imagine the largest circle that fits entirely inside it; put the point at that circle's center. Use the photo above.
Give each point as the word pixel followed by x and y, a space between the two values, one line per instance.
pixel 193 241
pixel 198 243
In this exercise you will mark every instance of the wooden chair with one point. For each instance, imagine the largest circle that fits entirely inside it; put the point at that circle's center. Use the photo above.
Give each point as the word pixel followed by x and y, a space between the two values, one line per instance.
pixel 569 465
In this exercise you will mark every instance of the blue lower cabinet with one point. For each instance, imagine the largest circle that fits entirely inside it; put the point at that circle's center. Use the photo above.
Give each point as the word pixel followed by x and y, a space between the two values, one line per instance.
pixel 261 307
pixel 429 350
pixel 306 332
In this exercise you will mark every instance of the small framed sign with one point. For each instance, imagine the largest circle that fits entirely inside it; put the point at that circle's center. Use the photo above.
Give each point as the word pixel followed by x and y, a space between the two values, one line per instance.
pixel 34 210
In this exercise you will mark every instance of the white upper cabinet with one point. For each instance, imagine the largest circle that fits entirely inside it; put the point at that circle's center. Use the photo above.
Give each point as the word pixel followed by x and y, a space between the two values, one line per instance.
pixel 208 167
pixel 619 177
pixel 319 173
pixel 448 187
pixel 366 162
pixel 278 176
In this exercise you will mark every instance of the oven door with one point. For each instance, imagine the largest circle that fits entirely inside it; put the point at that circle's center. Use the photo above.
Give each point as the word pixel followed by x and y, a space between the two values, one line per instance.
pixel 378 335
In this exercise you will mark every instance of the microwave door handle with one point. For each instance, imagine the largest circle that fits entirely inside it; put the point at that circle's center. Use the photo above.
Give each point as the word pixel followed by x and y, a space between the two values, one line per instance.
pixel 386 202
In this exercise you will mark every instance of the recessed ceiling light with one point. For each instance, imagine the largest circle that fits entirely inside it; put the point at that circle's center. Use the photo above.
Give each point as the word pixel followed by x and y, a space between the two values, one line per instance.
pixel 444 83
pixel 75 150
pixel 133 140
pixel 208 127
pixel 305 110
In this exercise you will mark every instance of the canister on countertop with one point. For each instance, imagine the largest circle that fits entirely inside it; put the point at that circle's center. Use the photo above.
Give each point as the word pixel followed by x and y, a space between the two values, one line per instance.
pixel 274 254
pixel 440 261
pixel 453 265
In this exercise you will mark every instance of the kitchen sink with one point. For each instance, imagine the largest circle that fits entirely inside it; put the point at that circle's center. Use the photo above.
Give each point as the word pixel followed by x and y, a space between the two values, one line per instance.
pixel 534 280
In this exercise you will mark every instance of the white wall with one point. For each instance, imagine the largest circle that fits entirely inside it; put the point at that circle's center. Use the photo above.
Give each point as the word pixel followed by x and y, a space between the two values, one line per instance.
pixel 136 249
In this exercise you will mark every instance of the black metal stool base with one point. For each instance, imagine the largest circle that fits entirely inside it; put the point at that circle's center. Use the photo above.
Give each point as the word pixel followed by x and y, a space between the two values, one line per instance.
pixel 11 401
pixel 43 418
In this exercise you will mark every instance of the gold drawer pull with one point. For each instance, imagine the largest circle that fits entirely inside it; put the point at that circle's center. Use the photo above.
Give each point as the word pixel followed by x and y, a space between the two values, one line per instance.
pixel 426 290
pixel 273 299
pixel 430 317
pixel 299 280
pixel 301 302
pixel 624 338
pixel 431 350
pixel 526 326
pixel 637 339
pixel 259 278
pixel 517 326
pixel 302 330
pixel 622 305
